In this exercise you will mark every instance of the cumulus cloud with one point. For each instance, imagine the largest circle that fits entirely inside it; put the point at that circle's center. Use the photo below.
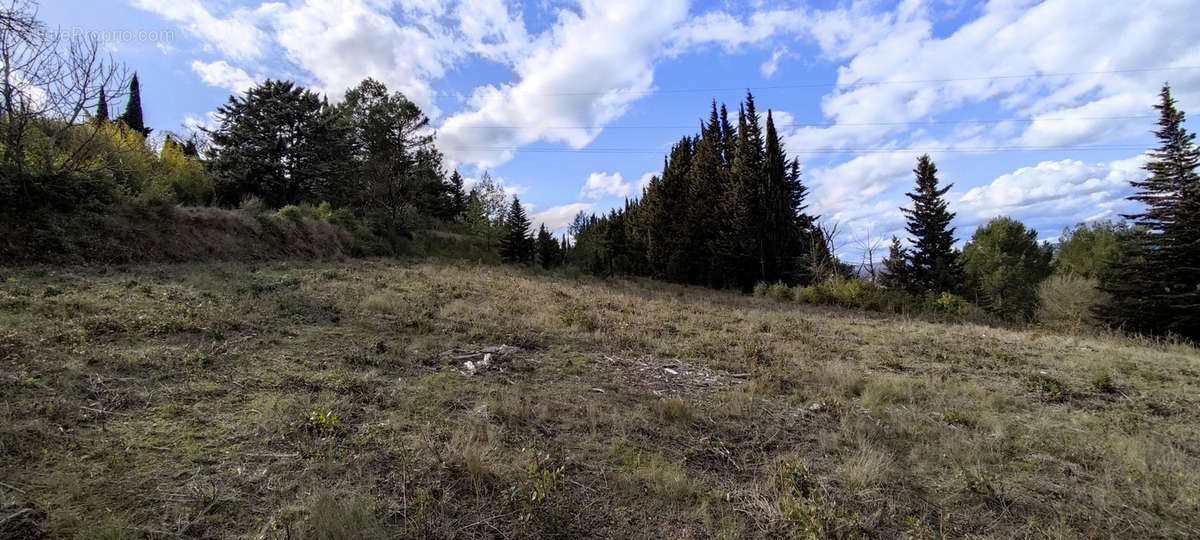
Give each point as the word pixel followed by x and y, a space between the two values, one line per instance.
pixel 1054 194
pixel 235 36
pixel 602 184
pixel 645 180
pixel 574 82
pixel 223 75
pixel 560 216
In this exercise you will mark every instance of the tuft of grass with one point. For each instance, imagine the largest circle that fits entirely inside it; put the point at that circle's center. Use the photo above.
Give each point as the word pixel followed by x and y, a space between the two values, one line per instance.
pixel 674 410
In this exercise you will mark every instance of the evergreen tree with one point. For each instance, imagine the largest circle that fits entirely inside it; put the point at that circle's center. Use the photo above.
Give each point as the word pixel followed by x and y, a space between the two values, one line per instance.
pixel 399 167
pixel 705 205
pixel 934 264
pixel 102 107
pixel 895 266
pixel 1004 264
pixel 133 109
pixel 474 217
pixel 281 143
pixel 516 246
pixel 1155 283
pixel 458 197
pixel 548 252
pixel 742 249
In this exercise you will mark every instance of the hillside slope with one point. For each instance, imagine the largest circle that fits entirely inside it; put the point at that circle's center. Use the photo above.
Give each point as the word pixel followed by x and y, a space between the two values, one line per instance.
pixel 132 233
pixel 294 400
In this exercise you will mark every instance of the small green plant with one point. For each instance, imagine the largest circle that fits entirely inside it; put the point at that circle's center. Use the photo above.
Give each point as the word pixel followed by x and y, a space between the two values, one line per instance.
pixel 1049 386
pixel 291 212
pixel 1104 382
pixel 578 316
pixel 540 482
pixel 323 211
pixel 323 423
pixel 673 410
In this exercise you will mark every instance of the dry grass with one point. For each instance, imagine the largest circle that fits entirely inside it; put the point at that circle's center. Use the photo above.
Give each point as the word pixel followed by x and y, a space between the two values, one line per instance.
pixel 309 400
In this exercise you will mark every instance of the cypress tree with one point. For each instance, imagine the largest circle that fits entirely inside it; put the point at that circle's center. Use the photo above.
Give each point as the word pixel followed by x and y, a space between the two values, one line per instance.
pixel 705 209
pixel 934 263
pixel 1155 282
pixel 102 107
pixel 743 249
pixel 458 197
pixel 895 266
pixel 133 109
pixel 517 245
pixel 548 250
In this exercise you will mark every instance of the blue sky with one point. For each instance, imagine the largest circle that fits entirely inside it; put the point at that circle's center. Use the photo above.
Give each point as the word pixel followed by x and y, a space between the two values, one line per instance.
pixel 1037 110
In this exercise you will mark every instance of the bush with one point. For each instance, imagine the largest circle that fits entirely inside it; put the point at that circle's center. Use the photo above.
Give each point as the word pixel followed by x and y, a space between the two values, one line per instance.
pixel 850 293
pixel 291 212
pixel 778 291
pixel 1067 302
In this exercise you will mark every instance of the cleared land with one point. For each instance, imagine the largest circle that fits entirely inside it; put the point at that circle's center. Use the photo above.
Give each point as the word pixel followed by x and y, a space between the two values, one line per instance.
pixel 291 400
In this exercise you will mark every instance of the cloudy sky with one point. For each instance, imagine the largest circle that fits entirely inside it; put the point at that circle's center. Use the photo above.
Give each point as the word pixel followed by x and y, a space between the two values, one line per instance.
pixel 1037 110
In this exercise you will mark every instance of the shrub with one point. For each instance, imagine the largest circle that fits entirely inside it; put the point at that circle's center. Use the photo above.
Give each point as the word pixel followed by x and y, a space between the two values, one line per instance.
pixel 324 211
pixel 778 291
pixel 1003 264
pixel 291 212
pixel 1067 301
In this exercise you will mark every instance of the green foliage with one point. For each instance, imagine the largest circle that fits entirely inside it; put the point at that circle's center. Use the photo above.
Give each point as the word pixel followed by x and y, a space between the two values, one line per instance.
pixel 397 166
pixel 517 245
pixel 1088 249
pixel 933 265
pixel 547 251
pixel 1155 281
pixel 132 118
pixel 281 143
pixel 855 293
pixel 778 291
pixel 181 177
pixel 727 211
pixel 290 212
pixel 1004 265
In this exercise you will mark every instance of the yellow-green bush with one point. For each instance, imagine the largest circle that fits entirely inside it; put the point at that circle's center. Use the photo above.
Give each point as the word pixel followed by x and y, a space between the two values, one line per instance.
pixel 1065 301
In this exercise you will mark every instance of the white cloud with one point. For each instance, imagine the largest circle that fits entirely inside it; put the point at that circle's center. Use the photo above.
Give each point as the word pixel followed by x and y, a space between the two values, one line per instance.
pixel 602 184
pixel 1054 194
pixel 769 67
pixel 645 181
pixel 223 75
pixel 235 36
pixel 576 80
pixel 722 28
pixel 560 216
pixel 342 42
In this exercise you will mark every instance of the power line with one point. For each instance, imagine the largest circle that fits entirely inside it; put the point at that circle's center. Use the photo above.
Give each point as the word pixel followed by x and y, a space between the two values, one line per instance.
pixel 1040 75
pixel 817 151
pixel 833 124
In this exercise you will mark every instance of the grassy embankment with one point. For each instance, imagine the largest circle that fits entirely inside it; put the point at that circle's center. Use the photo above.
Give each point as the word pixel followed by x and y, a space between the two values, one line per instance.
pixel 289 400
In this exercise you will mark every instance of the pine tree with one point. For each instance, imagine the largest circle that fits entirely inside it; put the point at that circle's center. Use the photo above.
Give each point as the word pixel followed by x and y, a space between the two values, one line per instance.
pixel 895 266
pixel 934 263
pixel 133 109
pixel 458 197
pixel 548 251
pixel 1155 283
pixel 102 107
pixel 516 246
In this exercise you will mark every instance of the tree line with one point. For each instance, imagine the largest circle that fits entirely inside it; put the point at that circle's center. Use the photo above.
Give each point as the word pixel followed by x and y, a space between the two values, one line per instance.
pixel 728 210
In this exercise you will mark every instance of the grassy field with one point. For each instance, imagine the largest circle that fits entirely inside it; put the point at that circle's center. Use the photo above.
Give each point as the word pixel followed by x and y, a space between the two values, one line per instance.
pixel 329 400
